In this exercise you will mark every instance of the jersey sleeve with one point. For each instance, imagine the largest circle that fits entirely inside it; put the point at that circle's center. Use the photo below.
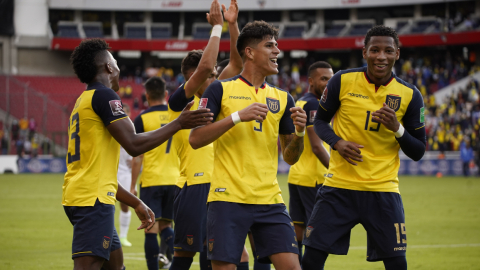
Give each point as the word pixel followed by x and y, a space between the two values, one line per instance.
pixel 330 101
pixel 414 117
pixel 286 123
pixel 212 98
pixel 178 100
pixel 108 106
pixel 138 123
pixel 310 109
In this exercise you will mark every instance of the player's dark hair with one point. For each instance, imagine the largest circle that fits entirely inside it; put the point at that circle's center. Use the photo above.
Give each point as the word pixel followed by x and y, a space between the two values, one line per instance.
pixel 83 58
pixel 253 33
pixel 319 64
pixel 223 64
pixel 381 31
pixel 190 62
pixel 155 87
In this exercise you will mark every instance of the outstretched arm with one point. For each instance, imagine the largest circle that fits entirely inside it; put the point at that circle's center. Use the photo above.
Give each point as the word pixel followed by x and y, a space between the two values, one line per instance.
pixel 235 65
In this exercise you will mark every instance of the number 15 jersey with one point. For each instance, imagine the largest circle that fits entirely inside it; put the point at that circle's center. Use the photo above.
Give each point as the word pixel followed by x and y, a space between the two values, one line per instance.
pixel 93 154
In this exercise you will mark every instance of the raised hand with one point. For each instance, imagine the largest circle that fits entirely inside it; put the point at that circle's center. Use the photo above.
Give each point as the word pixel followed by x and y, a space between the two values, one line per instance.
pixel 192 119
pixel 387 117
pixel 232 14
pixel 350 151
pixel 299 118
pixel 215 16
pixel 256 111
pixel 146 216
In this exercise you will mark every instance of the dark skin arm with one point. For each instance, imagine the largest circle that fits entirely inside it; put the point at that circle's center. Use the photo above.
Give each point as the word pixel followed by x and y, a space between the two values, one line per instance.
pixel 317 147
pixel 136 167
pixel 145 214
pixel 136 144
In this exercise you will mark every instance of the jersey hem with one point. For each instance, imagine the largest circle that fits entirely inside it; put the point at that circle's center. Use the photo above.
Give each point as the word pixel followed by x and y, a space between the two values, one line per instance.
pixel 349 187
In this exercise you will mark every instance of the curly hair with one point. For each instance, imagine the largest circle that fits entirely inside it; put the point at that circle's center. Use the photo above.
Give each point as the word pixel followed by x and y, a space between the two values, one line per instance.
pixel 381 31
pixel 253 33
pixel 190 62
pixel 318 64
pixel 83 58
pixel 155 87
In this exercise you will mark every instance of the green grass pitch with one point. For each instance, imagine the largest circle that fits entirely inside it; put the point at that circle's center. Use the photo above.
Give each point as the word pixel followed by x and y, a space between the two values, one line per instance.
pixel 442 224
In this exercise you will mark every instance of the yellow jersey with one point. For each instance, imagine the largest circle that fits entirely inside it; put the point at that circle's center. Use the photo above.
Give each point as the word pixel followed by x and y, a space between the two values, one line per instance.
pixel 93 154
pixel 246 156
pixel 308 171
pixel 196 166
pixel 160 165
pixel 352 98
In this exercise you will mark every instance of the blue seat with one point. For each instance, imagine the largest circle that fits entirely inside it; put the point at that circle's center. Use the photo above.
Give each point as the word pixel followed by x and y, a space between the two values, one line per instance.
pixel 334 30
pixel 202 33
pixel 139 32
pixel 92 31
pixel 68 31
pixel 161 32
pixel 293 31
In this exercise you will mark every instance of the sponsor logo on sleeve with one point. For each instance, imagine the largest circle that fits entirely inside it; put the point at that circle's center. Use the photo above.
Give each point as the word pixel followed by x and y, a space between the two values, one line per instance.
pixel 422 115
pixel 116 107
pixel 324 95
pixel 203 103
pixel 312 116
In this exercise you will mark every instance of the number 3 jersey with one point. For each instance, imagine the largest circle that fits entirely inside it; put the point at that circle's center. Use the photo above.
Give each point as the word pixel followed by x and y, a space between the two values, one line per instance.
pixel 160 165
pixel 93 154
pixel 246 156
pixel 353 99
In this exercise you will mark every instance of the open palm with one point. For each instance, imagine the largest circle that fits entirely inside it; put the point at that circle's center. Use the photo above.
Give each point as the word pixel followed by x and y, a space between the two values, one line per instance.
pixel 232 14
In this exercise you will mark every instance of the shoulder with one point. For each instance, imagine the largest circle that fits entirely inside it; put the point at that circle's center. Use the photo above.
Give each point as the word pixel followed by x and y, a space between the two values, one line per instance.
pixel 416 95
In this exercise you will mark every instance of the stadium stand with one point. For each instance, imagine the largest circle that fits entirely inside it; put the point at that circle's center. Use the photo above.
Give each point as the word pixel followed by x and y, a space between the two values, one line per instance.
pixel 135 30
pixel 68 30
pixel 93 29
pixel 161 30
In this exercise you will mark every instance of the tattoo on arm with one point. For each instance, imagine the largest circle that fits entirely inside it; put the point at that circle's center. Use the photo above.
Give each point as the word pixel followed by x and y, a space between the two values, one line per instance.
pixel 292 148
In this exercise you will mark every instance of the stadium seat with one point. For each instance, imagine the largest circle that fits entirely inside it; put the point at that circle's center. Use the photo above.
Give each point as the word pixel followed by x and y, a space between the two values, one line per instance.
pixel 161 30
pixel 360 29
pixel 135 30
pixel 201 30
pixel 93 29
pixel 68 31
pixel 334 30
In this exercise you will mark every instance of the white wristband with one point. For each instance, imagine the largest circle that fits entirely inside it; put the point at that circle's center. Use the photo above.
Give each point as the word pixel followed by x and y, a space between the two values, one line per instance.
pixel 216 31
pixel 400 131
pixel 236 118
pixel 299 134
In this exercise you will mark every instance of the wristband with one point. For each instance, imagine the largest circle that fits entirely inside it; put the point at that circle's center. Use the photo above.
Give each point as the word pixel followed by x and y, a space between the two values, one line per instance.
pixel 216 31
pixel 236 118
pixel 299 134
pixel 400 131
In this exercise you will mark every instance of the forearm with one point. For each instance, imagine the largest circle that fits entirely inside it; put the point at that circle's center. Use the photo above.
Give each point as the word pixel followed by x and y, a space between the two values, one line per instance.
pixel 126 197
pixel 325 132
pixel 235 58
pixel 322 155
pixel 136 167
pixel 205 135
pixel 413 143
pixel 293 151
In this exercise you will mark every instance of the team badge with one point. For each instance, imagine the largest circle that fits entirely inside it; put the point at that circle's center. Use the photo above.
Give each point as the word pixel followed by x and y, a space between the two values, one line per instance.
pixel 106 243
pixel 273 105
pixel 393 101
pixel 308 231
pixel 210 245
pixel 312 116
pixel 190 240
pixel 203 103
pixel 116 107
pixel 324 95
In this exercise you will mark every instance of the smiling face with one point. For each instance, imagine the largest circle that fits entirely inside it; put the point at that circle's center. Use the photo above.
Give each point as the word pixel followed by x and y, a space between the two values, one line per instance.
pixel 264 56
pixel 381 54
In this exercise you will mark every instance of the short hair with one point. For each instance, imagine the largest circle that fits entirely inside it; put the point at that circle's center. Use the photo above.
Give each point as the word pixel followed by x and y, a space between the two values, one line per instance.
pixel 155 87
pixel 319 64
pixel 191 61
pixel 223 64
pixel 83 58
pixel 381 31
pixel 253 33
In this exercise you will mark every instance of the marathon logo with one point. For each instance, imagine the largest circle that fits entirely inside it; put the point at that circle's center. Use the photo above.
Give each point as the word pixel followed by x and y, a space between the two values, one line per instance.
pixel 400 249
pixel 198 174
pixel 240 97
pixel 116 107
pixel 220 189
pixel 358 95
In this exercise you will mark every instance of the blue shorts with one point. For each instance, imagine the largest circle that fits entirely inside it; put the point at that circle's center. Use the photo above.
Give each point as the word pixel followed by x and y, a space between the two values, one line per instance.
pixel 337 211
pixel 190 215
pixel 302 200
pixel 94 232
pixel 160 200
pixel 229 223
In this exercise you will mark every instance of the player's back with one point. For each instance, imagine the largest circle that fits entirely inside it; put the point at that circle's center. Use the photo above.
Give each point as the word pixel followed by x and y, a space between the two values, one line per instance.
pixel 93 154
pixel 161 164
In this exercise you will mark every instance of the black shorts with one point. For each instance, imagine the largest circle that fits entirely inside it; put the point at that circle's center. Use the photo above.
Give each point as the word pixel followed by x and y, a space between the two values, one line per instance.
pixel 94 232
pixel 229 223
pixel 337 211
pixel 160 200
pixel 302 200
pixel 190 215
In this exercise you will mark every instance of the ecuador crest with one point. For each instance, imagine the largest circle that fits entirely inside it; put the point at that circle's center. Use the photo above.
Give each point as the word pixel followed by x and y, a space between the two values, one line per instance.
pixel 273 105
pixel 190 240
pixel 393 101
pixel 106 243
pixel 308 231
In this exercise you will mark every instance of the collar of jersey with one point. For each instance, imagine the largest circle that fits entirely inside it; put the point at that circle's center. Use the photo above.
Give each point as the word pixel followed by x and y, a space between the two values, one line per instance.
pixel 249 84
pixel 370 81
pixel 161 107
pixel 95 85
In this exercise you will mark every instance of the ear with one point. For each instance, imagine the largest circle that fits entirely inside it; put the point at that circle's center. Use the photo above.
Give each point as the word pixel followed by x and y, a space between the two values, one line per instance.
pixel 310 81
pixel 108 67
pixel 249 52
pixel 398 54
pixel 364 53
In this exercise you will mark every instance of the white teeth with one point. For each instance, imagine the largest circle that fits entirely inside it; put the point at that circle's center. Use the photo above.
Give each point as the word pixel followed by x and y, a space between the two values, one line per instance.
pixel 273 60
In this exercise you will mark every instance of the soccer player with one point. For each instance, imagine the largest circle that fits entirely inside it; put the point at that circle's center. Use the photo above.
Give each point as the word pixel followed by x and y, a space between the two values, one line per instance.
pixel 244 192
pixel 97 128
pixel 196 166
pixel 307 174
pixel 124 177
pixel 160 171
pixel 376 114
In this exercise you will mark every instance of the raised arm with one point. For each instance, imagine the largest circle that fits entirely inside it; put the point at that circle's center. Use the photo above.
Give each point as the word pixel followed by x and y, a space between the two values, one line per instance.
pixel 209 58
pixel 235 65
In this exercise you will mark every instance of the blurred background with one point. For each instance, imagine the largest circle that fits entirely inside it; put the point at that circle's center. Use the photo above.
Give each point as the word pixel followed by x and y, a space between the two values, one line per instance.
pixel 38 88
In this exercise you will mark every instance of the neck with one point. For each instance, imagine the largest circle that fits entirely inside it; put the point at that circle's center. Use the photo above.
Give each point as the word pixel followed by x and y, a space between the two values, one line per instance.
pixel 100 78
pixel 152 103
pixel 380 81
pixel 252 75
pixel 311 90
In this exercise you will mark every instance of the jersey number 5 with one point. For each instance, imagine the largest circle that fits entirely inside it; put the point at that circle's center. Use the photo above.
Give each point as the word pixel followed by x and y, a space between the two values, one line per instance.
pixel 259 129
pixel 74 136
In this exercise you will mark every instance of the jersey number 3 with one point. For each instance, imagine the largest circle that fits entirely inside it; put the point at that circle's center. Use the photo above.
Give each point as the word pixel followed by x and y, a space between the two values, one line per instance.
pixel 74 136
